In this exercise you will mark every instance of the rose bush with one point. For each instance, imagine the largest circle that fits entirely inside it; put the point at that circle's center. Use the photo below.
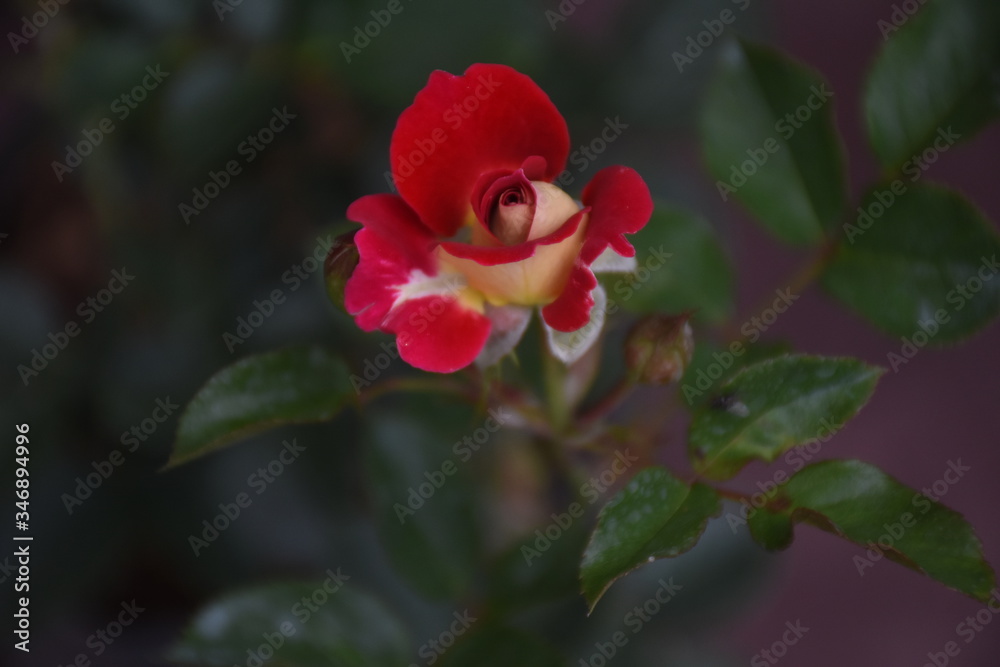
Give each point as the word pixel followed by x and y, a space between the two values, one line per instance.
pixel 478 235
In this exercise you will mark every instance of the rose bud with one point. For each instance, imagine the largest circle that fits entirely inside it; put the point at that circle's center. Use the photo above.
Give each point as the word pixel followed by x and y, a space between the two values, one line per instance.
pixel 479 236
pixel 659 347
pixel 338 266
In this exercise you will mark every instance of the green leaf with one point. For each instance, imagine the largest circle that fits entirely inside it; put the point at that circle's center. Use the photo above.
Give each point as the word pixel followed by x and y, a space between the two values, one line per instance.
pixel 772 531
pixel 712 365
pixel 290 386
pixel 696 275
pixel 339 626
pixel 655 516
pixel 424 501
pixel 928 253
pixel 769 138
pixel 937 72
pixel 774 405
pixel 859 502
pixel 501 646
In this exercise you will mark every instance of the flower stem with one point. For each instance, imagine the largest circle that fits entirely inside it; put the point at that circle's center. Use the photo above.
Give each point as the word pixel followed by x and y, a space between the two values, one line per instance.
pixel 416 384
pixel 555 388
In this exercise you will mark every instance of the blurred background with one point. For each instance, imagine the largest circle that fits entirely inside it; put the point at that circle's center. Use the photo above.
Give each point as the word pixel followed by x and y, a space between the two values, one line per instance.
pixel 129 250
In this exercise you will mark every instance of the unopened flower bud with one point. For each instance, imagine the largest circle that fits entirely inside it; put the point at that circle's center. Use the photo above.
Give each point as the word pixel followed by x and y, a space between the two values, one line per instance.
pixel 339 265
pixel 659 348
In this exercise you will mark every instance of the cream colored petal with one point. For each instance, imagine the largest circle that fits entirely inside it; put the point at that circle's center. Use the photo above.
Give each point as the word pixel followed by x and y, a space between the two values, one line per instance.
pixel 553 208
pixel 537 280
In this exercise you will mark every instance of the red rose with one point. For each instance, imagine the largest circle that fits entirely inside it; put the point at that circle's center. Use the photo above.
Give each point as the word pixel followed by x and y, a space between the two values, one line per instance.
pixel 479 235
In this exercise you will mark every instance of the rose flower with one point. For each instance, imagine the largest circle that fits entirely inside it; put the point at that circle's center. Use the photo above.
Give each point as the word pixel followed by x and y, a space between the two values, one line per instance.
pixel 478 235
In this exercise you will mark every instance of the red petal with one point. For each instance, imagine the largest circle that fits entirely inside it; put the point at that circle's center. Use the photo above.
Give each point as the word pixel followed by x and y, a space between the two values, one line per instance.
pixel 372 289
pixel 620 204
pixel 438 333
pixel 494 255
pixel 571 310
pixel 492 118
pixel 390 218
